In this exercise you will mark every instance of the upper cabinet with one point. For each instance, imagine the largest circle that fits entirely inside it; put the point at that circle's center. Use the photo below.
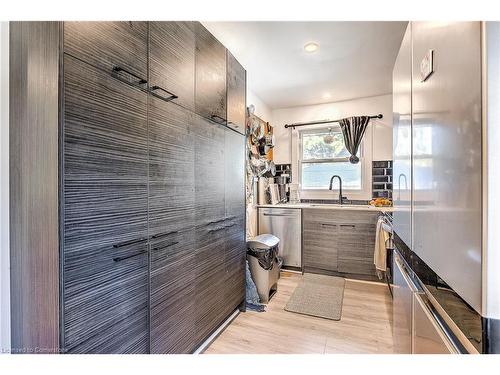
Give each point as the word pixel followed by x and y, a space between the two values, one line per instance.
pixel 236 94
pixel 118 47
pixel 210 58
pixel 402 140
pixel 171 53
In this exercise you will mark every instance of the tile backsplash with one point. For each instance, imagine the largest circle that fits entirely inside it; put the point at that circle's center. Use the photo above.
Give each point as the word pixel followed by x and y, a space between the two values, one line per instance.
pixel 382 179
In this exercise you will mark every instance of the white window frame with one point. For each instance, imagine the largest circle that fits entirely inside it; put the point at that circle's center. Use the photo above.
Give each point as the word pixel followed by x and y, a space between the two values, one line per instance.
pixel 362 164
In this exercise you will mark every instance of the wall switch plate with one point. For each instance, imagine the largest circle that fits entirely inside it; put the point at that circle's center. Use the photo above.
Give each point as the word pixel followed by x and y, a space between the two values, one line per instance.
pixel 427 65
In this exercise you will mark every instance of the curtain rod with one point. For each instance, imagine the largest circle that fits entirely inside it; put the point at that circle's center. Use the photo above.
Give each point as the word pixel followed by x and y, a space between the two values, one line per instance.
pixel 297 124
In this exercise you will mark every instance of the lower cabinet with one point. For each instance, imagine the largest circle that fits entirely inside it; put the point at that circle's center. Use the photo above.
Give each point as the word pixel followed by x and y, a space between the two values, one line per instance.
pixel 235 255
pixel 339 242
pixel 172 291
pixel 320 248
pixel 356 243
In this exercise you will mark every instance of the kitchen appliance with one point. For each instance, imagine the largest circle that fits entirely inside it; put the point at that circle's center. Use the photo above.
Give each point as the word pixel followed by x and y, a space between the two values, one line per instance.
pixel 446 162
pixel 294 193
pixel 282 183
pixel 404 286
pixel 429 336
pixel 274 193
pixel 417 326
pixel 286 224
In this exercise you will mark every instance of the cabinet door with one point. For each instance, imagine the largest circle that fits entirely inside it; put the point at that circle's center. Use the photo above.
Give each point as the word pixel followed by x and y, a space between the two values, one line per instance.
pixel 210 273
pixel 210 93
pixel 356 243
pixel 236 94
pixel 173 293
pixel 209 171
pixel 171 54
pixel 235 256
pixel 108 45
pixel 320 246
pixel 105 271
pixel 235 246
pixel 402 140
pixel 171 227
pixel 209 219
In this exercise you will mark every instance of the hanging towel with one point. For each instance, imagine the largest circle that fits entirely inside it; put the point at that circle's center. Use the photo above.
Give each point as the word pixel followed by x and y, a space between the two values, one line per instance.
pixel 353 129
pixel 380 253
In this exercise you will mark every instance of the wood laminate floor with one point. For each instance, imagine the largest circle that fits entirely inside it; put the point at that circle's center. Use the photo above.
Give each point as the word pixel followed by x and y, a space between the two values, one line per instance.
pixel 365 326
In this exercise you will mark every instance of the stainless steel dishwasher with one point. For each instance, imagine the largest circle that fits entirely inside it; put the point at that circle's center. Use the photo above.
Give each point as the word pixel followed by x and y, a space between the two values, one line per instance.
pixel 286 224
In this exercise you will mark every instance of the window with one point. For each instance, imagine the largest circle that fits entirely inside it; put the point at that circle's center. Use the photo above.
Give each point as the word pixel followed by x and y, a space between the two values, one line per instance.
pixel 319 161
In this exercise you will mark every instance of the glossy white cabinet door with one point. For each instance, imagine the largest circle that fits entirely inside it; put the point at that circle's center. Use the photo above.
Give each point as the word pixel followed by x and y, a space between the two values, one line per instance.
pixel 402 140
pixel 447 154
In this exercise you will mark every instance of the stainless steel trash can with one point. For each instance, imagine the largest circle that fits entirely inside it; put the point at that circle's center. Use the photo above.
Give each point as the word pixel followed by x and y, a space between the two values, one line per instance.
pixel 265 265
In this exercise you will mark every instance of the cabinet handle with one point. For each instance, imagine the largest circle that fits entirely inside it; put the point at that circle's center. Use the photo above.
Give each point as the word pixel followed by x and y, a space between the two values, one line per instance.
pixel 171 96
pixel 221 220
pixel 219 119
pixel 215 222
pixel 117 70
pixel 232 124
pixel 131 242
pixel 347 226
pixel 158 235
pixel 216 229
pixel 164 247
pixel 119 259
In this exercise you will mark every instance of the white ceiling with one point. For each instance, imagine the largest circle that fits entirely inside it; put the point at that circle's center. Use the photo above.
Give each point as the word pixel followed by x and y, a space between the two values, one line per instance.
pixel 355 59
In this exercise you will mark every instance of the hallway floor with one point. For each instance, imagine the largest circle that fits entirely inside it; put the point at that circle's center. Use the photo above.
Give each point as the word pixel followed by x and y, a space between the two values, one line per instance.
pixel 365 326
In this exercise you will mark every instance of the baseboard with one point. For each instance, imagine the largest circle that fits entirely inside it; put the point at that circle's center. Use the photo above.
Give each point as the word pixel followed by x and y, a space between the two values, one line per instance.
pixel 216 333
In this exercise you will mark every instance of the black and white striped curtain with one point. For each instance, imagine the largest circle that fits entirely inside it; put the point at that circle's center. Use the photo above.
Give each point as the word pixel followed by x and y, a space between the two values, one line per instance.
pixel 353 129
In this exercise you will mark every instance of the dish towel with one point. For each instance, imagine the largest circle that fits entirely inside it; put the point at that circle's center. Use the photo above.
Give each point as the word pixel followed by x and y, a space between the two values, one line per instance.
pixel 380 252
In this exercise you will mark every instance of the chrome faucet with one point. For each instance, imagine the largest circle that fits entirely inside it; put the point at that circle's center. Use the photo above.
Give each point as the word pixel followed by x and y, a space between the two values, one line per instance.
pixel 341 198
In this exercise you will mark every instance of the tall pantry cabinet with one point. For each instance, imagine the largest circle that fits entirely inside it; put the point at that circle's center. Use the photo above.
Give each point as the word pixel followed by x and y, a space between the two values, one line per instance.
pixel 128 225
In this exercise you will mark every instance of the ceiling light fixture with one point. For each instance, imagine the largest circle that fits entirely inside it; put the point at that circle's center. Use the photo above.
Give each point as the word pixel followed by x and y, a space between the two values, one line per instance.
pixel 311 47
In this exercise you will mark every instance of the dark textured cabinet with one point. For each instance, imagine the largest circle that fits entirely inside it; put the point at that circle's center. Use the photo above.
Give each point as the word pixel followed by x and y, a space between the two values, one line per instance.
pixel 210 223
pixel 105 273
pixel 171 227
pixel 150 194
pixel 171 61
pixel 120 45
pixel 235 246
pixel 236 94
pixel 320 249
pixel 210 59
pixel 339 242
pixel 356 242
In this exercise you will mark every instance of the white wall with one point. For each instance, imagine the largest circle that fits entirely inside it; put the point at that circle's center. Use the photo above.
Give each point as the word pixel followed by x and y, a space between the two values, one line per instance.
pixel 4 189
pixel 261 109
pixel 377 142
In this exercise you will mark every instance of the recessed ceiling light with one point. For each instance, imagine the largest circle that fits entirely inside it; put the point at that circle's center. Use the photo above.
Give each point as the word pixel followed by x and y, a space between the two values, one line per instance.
pixel 311 47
